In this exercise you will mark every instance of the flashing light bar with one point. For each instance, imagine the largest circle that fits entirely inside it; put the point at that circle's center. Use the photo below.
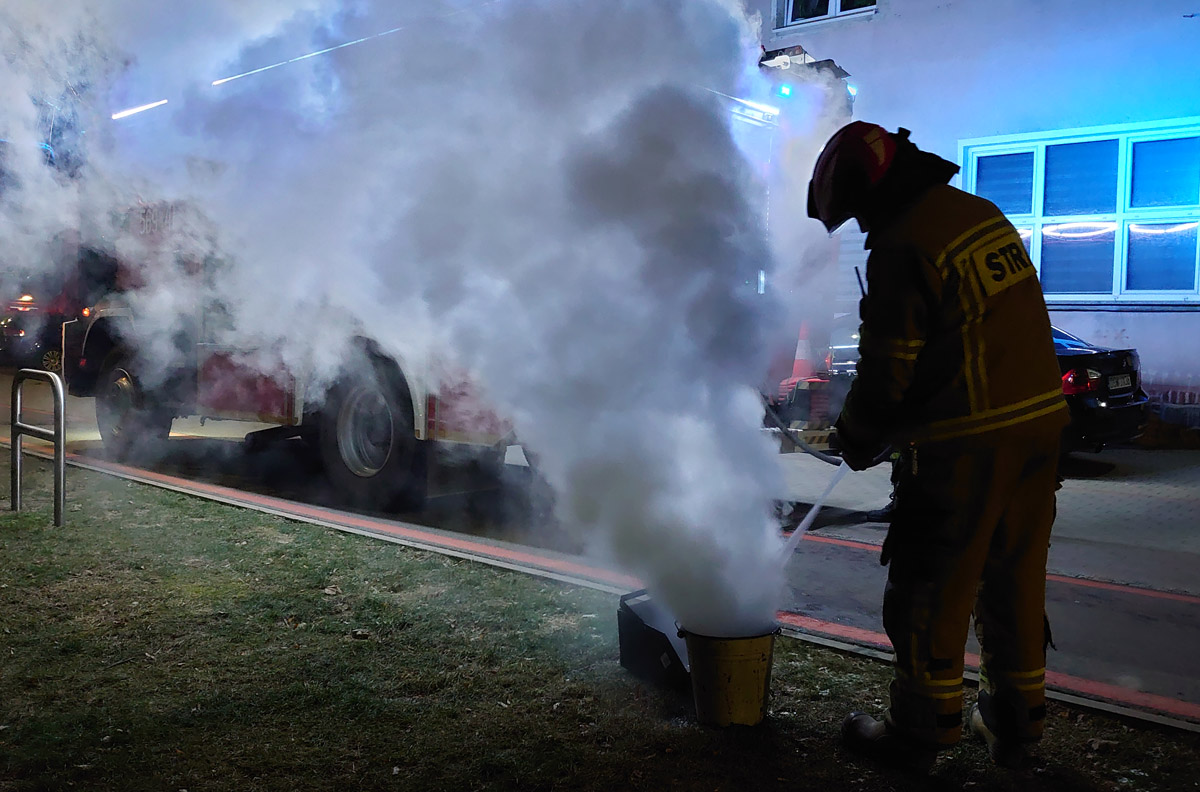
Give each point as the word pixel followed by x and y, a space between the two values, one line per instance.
pixel 135 110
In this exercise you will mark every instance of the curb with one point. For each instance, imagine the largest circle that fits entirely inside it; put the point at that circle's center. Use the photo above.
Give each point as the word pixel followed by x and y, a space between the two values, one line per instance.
pixel 570 570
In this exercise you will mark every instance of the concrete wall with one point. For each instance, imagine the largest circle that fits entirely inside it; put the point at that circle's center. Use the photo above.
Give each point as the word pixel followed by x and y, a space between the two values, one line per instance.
pixel 956 69
pixel 1168 343
pixel 951 70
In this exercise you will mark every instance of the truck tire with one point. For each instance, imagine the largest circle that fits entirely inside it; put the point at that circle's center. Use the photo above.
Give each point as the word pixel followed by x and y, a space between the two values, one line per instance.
pixel 130 423
pixel 367 440
pixel 52 361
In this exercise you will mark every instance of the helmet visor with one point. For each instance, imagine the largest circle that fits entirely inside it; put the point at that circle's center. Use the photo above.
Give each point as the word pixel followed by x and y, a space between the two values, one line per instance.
pixel 828 212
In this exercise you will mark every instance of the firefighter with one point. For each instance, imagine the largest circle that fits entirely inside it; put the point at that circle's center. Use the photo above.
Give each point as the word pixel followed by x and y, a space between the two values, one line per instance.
pixel 957 372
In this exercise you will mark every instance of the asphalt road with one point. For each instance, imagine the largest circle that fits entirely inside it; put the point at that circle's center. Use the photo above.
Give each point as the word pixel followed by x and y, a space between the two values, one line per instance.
pixel 1135 645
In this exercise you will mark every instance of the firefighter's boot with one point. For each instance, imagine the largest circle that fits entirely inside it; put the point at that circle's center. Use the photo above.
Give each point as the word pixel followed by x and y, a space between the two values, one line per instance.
pixel 1004 753
pixel 881 515
pixel 878 741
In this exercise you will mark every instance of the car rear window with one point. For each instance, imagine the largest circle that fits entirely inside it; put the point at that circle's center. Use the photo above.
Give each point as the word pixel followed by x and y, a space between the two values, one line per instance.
pixel 1065 342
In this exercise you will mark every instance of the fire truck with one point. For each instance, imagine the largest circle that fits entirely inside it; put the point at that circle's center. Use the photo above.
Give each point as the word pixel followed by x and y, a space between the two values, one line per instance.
pixel 378 425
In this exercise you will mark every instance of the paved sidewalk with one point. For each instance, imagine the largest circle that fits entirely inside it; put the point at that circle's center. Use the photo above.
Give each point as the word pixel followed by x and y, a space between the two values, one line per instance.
pixel 1124 515
pixel 1122 594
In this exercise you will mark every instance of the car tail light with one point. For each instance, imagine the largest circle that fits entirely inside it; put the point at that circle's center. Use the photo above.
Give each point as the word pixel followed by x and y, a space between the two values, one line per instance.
pixel 1078 381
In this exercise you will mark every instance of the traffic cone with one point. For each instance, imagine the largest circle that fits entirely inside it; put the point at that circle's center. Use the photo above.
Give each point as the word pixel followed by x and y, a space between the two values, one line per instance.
pixel 802 367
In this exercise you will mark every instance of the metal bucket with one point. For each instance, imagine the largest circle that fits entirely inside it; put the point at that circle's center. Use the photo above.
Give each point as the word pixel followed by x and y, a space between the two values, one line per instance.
pixel 731 677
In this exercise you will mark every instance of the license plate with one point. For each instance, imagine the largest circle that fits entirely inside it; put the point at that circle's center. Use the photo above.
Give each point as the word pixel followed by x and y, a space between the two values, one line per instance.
pixel 1120 382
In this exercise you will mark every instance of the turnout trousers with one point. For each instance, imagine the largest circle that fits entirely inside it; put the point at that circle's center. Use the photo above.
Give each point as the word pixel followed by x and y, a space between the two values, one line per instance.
pixel 970 535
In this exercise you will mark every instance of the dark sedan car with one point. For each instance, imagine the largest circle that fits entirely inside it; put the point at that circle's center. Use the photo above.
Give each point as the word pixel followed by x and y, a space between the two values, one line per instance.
pixel 1102 387
pixel 1104 391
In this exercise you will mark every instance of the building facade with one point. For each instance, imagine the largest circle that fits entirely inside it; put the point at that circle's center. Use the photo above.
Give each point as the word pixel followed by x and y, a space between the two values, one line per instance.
pixel 1080 120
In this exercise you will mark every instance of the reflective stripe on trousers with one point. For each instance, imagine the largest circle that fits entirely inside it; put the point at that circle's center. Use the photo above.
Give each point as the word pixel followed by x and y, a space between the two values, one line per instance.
pixel 970 535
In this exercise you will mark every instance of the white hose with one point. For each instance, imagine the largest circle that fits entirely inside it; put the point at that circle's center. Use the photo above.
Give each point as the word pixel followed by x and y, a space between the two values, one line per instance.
pixel 794 540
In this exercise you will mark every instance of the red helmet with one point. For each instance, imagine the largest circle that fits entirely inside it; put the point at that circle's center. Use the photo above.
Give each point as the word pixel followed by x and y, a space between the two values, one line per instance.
pixel 852 163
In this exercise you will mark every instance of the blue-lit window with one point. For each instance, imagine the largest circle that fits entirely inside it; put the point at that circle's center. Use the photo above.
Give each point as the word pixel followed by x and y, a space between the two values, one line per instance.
pixel 1007 181
pixel 794 12
pixel 1108 214
pixel 1162 257
pixel 1077 258
pixel 1027 239
pixel 1081 178
pixel 1166 172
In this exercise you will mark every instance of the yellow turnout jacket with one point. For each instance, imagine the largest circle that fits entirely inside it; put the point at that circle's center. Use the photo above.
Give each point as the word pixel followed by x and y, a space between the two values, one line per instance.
pixel 955 339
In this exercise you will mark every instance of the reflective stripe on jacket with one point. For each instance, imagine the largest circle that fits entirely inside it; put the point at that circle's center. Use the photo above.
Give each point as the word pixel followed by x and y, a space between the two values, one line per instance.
pixel 955 338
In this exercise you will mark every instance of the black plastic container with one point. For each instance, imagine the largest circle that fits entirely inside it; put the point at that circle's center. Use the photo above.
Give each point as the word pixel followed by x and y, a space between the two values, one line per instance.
pixel 651 648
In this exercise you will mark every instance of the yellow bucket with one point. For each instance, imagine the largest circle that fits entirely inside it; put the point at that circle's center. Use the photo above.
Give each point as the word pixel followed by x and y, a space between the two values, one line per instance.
pixel 731 677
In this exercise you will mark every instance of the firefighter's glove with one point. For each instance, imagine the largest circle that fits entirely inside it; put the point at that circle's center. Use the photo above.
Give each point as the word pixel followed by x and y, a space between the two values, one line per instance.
pixel 856 452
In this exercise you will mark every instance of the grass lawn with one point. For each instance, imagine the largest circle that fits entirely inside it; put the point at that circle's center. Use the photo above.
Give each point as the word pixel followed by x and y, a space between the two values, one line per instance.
pixel 162 642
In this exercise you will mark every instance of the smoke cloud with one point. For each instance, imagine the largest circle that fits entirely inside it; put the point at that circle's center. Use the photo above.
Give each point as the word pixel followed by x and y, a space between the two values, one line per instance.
pixel 546 192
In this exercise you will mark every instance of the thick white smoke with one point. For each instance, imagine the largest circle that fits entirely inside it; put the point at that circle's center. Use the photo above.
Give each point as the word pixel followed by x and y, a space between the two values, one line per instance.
pixel 546 189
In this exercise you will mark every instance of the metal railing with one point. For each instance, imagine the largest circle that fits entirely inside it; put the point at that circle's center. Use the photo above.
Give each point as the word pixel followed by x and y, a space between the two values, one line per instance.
pixel 57 435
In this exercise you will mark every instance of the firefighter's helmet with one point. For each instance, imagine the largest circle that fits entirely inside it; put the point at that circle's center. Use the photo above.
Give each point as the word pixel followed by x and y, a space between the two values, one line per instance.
pixel 850 166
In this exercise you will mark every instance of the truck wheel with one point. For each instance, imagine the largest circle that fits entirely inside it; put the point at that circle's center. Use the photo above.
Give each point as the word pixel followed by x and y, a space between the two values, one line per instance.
pixel 129 422
pixel 52 361
pixel 367 440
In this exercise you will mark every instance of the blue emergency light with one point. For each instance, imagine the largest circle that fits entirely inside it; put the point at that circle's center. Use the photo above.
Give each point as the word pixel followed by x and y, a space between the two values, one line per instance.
pixel 785 90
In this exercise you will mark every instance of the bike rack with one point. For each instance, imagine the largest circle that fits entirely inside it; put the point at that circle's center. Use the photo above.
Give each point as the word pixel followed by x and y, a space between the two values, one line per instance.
pixel 56 436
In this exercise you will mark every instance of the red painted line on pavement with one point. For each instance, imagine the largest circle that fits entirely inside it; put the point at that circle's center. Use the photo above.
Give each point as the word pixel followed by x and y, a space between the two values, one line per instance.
pixel 1066 682
pixel 285 507
pixel 1134 698
pixel 844 631
pixel 842 542
pixel 1121 588
pixel 240 495
pixel 1145 592
pixel 490 551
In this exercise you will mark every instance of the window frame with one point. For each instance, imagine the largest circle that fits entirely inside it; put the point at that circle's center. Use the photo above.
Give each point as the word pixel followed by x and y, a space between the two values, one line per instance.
pixel 1127 135
pixel 784 14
